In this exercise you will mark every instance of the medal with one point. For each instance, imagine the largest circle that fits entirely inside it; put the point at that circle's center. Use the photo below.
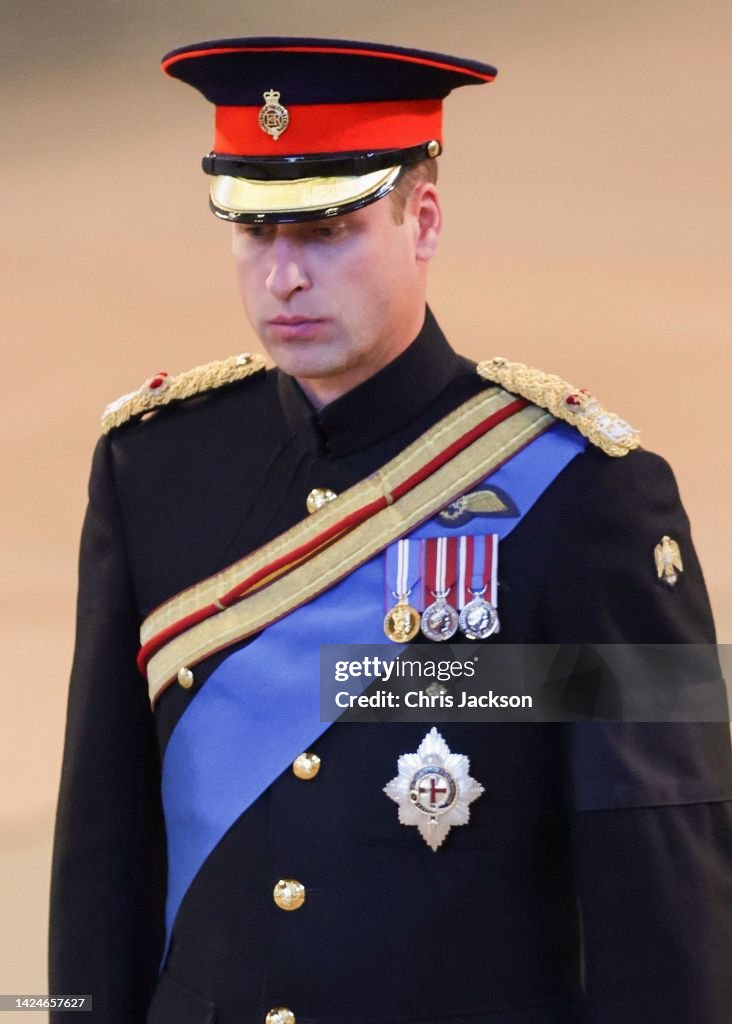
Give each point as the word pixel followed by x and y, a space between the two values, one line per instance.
pixel 478 575
pixel 479 618
pixel 439 619
pixel 401 622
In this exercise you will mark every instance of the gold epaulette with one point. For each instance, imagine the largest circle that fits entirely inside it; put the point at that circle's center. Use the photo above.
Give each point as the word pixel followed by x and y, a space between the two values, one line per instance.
pixel 162 388
pixel 574 405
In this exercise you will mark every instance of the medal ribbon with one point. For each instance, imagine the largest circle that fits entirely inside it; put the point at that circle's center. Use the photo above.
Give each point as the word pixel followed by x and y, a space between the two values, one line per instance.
pixel 478 561
pixel 402 572
pixel 440 566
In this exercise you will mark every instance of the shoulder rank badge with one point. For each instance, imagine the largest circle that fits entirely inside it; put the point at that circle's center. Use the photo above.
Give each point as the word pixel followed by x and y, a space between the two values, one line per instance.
pixel 668 561
pixel 433 789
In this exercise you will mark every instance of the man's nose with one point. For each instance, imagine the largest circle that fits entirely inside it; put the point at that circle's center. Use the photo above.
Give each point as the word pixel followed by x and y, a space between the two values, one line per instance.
pixel 286 274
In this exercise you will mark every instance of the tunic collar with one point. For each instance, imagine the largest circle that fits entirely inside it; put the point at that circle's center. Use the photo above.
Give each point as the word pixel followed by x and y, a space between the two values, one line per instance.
pixel 379 406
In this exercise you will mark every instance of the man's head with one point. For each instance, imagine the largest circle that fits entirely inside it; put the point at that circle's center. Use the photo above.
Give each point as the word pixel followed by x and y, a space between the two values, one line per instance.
pixel 330 183
pixel 335 300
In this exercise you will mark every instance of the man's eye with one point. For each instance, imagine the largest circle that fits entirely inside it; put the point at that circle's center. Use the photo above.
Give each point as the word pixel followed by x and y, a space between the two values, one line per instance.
pixel 255 230
pixel 324 232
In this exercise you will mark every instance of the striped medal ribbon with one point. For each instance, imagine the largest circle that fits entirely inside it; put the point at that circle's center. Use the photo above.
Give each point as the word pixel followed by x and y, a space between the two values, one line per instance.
pixel 440 557
pixel 478 577
pixel 401 622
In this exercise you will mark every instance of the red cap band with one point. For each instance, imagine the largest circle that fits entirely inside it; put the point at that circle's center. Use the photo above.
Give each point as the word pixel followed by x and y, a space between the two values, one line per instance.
pixel 330 128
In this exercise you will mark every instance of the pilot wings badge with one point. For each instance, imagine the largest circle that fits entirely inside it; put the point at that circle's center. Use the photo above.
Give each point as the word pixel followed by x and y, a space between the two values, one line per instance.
pixel 485 501
pixel 433 789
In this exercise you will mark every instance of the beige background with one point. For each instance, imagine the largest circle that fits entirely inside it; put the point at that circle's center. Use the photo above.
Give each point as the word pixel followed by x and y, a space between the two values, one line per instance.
pixel 586 230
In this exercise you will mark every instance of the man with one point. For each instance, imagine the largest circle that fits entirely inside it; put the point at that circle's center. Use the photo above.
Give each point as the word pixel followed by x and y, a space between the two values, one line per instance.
pixel 239 518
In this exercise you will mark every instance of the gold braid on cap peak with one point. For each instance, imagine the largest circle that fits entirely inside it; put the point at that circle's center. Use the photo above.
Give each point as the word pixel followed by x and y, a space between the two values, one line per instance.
pixel 574 405
pixel 162 388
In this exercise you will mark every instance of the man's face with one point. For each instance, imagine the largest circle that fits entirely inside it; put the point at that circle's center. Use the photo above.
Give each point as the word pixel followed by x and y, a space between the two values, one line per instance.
pixel 333 301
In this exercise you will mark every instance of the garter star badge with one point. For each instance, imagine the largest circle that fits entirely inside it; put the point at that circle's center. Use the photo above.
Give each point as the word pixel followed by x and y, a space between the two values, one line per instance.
pixel 433 789
pixel 273 117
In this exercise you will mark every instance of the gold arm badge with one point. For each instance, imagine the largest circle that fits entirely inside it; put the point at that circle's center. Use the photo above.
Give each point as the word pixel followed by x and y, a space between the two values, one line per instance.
pixel 273 117
pixel 668 561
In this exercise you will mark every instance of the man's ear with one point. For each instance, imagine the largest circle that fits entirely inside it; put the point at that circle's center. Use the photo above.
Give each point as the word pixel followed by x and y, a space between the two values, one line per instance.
pixel 428 218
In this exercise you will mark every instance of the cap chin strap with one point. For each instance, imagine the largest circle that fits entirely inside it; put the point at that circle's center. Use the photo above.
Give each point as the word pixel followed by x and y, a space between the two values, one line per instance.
pixel 317 165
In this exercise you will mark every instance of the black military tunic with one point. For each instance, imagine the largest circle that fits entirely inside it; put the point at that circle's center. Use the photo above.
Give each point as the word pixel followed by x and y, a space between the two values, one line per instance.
pixel 604 844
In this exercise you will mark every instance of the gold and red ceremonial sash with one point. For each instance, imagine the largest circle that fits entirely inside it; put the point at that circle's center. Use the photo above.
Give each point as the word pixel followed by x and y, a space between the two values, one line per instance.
pixel 243 599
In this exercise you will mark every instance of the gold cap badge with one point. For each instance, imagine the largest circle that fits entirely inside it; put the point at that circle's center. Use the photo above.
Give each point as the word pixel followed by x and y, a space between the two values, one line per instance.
pixel 273 117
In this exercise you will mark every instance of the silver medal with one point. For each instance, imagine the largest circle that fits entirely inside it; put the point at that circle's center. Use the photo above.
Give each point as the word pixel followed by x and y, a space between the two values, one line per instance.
pixel 440 621
pixel 479 618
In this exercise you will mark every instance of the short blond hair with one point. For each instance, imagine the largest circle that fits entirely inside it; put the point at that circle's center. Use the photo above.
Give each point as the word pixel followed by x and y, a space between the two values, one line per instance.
pixel 425 170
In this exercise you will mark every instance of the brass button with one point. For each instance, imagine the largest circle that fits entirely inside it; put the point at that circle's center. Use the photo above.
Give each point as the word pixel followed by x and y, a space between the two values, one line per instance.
pixel 280 1015
pixel 306 766
pixel 433 148
pixel 289 894
pixel 318 497
pixel 185 678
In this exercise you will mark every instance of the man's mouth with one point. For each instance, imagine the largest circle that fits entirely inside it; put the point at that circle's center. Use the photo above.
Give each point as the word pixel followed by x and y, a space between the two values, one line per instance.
pixel 295 327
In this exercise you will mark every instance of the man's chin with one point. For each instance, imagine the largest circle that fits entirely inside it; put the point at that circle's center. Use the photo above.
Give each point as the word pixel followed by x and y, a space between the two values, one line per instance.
pixel 309 358
pixel 312 370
